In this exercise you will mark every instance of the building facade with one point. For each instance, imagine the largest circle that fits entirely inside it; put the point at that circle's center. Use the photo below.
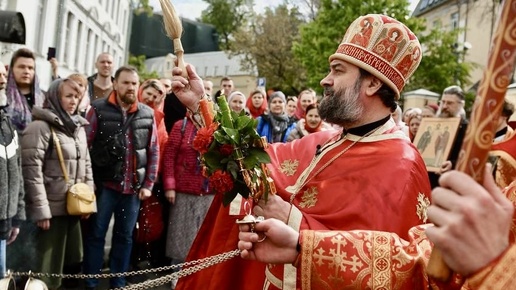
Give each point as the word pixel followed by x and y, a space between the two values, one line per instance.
pixel 476 19
pixel 213 66
pixel 78 29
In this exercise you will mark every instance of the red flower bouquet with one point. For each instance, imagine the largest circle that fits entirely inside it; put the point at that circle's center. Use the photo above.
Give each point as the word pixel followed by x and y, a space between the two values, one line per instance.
pixel 233 155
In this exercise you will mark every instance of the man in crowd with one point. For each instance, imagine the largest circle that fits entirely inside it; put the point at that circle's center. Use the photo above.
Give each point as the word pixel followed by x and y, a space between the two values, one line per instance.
pixel 502 128
pixel 127 169
pixel 208 87
pixel 367 176
pixel 23 91
pixel 226 87
pixel 450 106
pixel 167 84
pixel 100 84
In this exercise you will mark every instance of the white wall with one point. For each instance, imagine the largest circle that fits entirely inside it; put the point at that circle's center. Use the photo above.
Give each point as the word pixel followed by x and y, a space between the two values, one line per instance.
pixel 79 29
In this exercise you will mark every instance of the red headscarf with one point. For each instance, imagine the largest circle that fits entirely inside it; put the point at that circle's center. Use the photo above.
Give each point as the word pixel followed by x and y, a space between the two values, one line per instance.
pixel 300 112
pixel 307 127
pixel 256 112
pixel 159 115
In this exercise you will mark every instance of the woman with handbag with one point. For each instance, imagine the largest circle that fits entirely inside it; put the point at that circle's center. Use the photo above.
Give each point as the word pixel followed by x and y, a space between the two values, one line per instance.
pixel 55 157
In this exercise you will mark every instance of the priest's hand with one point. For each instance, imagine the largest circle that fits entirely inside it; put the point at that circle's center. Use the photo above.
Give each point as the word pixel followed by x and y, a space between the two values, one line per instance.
pixel 472 222
pixel 188 91
pixel 274 207
pixel 272 242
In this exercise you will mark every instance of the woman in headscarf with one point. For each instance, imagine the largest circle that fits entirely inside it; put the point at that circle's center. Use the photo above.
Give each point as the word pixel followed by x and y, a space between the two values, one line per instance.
pixel 275 125
pixel 236 102
pixel 152 94
pixel 311 123
pixel 23 92
pixel 257 103
pixel 59 241
pixel 305 98
pixel 186 189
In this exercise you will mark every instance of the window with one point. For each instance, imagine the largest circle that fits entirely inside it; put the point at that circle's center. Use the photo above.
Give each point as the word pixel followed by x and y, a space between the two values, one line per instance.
pixel 113 9
pixel 215 71
pixel 40 22
pixel 454 20
pixel 79 47
pixel 67 35
pixel 117 18
pixel 90 51
pixel 226 70
pixel 423 4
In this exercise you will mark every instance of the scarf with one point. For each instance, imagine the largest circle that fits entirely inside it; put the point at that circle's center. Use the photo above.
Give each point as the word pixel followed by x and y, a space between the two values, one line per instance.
pixel 313 130
pixel 70 122
pixel 279 124
pixel 18 107
pixel 256 112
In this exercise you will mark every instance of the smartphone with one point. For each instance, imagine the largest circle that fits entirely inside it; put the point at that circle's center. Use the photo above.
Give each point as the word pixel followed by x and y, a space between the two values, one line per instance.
pixel 51 53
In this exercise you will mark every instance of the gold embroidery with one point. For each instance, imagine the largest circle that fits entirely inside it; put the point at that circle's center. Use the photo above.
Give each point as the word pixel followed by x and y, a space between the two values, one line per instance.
pixel 289 167
pixel 337 257
pixel 422 204
pixel 309 197
pixel 381 261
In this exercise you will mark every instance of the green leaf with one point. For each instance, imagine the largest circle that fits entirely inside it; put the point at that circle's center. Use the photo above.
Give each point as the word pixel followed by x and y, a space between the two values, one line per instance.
pixel 242 122
pixel 232 167
pixel 250 161
pixel 260 154
pixel 221 138
pixel 229 196
pixel 233 135
pixel 212 160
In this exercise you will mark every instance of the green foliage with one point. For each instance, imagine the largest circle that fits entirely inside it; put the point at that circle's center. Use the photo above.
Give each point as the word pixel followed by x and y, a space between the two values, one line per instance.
pixel 320 38
pixel 266 44
pixel 139 63
pixel 235 149
pixel 143 6
pixel 442 65
pixel 227 16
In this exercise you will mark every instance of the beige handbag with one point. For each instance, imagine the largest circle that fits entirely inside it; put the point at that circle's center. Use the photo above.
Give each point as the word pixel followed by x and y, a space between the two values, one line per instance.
pixel 80 199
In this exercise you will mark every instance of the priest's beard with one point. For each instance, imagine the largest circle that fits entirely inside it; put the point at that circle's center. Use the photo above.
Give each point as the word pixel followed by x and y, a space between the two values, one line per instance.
pixel 342 107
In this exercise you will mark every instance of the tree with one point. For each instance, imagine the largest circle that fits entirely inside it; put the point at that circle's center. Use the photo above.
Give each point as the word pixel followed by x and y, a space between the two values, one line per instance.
pixel 139 63
pixel 266 44
pixel 143 6
pixel 227 16
pixel 320 38
pixel 442 64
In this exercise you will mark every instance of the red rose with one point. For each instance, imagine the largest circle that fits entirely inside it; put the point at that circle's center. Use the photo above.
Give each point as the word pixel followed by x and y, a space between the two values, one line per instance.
pixel 203 138
pixel 221 182
pixel 226 149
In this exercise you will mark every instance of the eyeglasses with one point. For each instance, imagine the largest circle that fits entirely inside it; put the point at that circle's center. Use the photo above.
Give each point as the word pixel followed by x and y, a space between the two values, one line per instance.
pixel 448 103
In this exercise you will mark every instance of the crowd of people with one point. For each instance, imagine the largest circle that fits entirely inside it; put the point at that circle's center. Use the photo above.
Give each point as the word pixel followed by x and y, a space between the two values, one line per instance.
pixel 353 191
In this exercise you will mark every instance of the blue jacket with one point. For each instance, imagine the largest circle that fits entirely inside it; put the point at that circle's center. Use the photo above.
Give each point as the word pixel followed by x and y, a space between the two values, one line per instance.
pixel 264 128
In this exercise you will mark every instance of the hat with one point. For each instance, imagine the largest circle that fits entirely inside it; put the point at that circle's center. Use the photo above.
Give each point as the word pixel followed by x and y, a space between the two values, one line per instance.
pixel 277 94
pixel 234 94
pixel 384 47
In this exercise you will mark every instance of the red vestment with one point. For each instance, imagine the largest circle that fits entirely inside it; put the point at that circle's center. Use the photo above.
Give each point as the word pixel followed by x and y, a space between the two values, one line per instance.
pixel 375 183
pixel 379 260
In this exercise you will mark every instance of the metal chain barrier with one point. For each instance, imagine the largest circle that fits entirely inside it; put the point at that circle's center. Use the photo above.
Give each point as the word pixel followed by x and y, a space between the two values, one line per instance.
pixel 187 268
